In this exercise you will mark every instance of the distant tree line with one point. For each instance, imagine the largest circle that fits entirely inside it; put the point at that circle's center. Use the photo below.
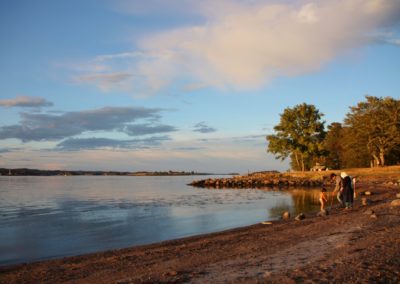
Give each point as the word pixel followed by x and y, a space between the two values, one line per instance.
pixel 368 137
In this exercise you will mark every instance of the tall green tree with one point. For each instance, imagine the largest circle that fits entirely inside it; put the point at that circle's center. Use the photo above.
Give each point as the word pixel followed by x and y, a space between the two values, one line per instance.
pixel 299 135
pixel 375 123
pixel 333 145
pixel 354 153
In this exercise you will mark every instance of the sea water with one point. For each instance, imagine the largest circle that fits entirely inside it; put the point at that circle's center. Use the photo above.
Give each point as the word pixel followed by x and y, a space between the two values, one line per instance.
pixel 50 217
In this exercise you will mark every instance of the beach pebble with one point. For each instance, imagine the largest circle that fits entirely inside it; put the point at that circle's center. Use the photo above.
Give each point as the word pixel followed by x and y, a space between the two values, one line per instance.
pixel 365 201
pixel 395 202
pixel 171 273
pixel 323 213
pixel 267 274
pixel 301 216
pixel 369 212
pixel 286 215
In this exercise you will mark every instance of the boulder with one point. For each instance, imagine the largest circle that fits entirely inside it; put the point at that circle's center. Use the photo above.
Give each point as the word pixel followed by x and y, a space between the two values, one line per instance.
pixel 286 215
pixel 395 203
pixel 301 216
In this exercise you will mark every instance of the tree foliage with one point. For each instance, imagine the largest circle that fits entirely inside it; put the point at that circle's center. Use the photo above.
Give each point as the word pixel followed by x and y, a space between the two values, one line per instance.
pixel 333 145
pixel 369 136
pixel 375 123
pixel 300 135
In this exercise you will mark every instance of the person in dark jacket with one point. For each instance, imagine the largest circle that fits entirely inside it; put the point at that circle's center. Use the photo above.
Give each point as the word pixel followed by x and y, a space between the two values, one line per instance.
pixel 347 190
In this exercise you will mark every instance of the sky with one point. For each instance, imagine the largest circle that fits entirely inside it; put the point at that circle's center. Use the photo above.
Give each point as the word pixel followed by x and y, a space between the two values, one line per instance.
pixel 157 85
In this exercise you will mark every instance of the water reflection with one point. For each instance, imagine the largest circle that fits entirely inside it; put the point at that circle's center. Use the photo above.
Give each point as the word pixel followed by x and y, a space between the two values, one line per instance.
pixel 48 217
pixel 303 200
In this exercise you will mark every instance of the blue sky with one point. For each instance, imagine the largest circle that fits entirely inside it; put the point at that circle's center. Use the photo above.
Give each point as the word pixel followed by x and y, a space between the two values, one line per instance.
pixel 181 84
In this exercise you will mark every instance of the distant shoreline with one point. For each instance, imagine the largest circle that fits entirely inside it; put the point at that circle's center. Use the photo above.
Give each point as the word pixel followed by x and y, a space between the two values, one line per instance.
pixel 38 172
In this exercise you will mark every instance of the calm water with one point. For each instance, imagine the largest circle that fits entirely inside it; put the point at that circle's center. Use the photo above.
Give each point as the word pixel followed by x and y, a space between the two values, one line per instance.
pixel 49 217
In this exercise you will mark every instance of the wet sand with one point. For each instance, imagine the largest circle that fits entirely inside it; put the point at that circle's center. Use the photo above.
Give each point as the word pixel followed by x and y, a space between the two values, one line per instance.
pixel 352 246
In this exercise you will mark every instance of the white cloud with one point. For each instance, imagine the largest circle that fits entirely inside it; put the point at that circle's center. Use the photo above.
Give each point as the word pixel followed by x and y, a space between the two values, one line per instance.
pixel 246 44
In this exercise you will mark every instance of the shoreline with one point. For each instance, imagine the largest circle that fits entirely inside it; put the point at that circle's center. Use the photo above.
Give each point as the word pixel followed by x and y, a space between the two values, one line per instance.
pixel 346 245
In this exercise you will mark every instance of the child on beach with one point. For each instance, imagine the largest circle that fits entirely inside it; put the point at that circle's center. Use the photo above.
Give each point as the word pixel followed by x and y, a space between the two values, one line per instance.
pixel 323 199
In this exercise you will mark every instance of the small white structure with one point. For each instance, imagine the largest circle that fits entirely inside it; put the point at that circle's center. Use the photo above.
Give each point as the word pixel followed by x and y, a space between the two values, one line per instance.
pixel 318 168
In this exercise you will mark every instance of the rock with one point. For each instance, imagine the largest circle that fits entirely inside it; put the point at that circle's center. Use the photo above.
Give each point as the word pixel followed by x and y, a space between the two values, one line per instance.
pixel 395 202
pixel 368 193
pixel 286 215
pixel 323 213
pixel 301 216
pixel 369 212
pixel 267 274
pixel 365 201
pixel 397 195
pixel 171 273
pixel 373 216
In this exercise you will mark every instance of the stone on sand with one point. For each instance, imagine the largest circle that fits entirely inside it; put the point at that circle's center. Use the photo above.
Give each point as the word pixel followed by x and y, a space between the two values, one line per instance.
pixel 395 203
pixel 301 216
pixel 369 212
pixel 365 201
pixel 286 215
pixel 323 213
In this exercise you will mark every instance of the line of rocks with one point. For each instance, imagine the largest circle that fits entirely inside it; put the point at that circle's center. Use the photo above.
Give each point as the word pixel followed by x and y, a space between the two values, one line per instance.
pixel 252 182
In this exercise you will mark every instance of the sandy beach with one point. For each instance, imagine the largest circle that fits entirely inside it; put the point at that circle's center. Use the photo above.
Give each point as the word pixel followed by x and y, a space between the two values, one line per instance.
pixel 347 246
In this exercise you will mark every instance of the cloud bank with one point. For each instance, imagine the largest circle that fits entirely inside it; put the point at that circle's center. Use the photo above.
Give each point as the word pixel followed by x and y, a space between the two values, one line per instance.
pixel 246 44
pixel 53 127
pixel 76 144
pixel 202 127
pixel 25 101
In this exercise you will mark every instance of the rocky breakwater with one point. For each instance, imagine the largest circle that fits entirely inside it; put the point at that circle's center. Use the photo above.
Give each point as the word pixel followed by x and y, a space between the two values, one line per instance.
pixel 261 181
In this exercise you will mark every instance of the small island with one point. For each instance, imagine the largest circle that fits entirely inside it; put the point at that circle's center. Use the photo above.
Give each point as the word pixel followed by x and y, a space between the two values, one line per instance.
pixel 38 172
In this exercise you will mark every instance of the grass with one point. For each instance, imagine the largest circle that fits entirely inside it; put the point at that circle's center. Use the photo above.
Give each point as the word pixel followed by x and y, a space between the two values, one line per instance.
pixel 388 173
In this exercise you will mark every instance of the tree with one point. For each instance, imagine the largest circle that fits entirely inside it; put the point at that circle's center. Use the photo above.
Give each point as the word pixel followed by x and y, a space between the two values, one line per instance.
pixel 299 134
pixel 354 152
pixel 333 145
pixel 376 124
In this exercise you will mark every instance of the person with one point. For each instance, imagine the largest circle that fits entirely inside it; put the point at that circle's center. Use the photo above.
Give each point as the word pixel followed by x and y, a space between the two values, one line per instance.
pixel 323 199
pixel 347 190
pixel 338 188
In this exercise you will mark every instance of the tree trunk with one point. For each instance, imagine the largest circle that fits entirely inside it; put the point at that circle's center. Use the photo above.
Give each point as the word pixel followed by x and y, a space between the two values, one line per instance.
pixel 382 157
pixel 297 160
pixel 302 163
pixel 376 160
